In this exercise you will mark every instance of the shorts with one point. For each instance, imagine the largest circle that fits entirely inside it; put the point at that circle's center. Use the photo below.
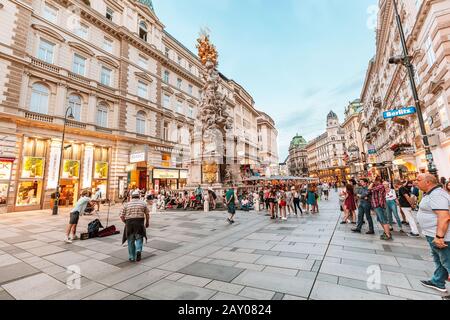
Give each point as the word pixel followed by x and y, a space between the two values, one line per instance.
pixel 74 217
pixel 381 215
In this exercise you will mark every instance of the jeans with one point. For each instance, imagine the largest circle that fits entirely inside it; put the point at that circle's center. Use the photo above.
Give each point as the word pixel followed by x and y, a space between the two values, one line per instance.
pixel 364 209
pixel 391 209
pixel 381 215
pixel 134 246
pixel 442 260
pixel 297 205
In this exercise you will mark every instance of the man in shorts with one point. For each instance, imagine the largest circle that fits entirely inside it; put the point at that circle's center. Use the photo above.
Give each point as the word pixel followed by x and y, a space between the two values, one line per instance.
pixel 78 210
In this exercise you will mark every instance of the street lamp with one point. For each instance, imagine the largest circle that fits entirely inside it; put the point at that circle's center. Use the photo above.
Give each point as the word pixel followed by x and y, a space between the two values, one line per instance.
pixel 405 60
pixel 66 116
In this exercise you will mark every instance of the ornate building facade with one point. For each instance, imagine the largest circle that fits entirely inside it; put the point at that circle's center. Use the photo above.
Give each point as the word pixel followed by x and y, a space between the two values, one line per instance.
pixel 133 90
pixel 354 153
pixel 267 145
pixel 298 158
pixel 326 153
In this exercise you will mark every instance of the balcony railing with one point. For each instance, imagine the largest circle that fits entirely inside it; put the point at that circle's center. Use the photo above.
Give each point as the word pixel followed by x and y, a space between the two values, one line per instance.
pixel 79 78
pixel 44 65
pixel 75 124
pixel 38 117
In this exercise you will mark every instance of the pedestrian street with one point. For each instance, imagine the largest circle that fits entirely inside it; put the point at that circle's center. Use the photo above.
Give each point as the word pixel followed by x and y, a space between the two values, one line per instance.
pixel 199 256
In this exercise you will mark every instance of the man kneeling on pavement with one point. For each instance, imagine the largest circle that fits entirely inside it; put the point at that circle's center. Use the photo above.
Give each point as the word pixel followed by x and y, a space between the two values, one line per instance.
pixel 135 214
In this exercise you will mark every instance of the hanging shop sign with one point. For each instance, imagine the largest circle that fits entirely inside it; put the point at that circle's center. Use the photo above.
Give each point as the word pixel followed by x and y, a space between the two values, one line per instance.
pixel 131 167
pixel 101 170
pixel 166 174
pixel 53 166
pixel 33 167
pixel 399 113
pixel 138 154
pixel 87 168
pixel 71 169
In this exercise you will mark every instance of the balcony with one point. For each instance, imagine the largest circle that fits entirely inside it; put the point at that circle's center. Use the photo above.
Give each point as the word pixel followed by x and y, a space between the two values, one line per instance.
pixel 75 124
pixel 381 123
pixel 44 65
pixel 38 117
pixel 79 78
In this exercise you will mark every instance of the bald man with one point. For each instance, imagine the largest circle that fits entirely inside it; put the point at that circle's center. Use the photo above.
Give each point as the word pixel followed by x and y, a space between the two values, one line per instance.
pixel 434 217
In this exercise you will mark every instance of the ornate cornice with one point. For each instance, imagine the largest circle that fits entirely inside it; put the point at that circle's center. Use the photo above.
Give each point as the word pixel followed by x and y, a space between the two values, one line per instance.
pixel 49 32
pixel 81 48
pixel 143 76
pixel 108 61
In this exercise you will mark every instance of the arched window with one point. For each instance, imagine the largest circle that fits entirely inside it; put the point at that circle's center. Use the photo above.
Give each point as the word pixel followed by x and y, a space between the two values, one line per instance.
pixel 39 98
pixel 75 104
pixel 143 30
pixel 102 115
pixel 140 122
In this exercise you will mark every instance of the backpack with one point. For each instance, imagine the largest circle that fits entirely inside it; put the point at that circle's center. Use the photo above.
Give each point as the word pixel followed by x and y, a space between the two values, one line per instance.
pixel 94 228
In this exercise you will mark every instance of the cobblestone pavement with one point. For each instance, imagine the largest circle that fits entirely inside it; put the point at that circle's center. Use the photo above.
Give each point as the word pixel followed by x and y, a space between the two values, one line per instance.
pixel 194 255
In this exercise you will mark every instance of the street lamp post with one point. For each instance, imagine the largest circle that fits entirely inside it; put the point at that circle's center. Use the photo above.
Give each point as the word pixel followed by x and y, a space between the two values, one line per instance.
pixel 56 203
pixel 406 61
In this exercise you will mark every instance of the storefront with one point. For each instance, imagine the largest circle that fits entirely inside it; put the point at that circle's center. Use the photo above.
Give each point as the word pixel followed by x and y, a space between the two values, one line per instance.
pixel 5 180
pixel 84 167
pixel 169 179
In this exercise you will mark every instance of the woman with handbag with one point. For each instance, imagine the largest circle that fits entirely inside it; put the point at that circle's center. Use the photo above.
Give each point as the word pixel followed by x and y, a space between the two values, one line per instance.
pixel 349 204
pixel 230 200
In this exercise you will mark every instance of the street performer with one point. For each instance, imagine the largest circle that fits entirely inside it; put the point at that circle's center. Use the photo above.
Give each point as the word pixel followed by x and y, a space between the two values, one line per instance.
pixel 135 215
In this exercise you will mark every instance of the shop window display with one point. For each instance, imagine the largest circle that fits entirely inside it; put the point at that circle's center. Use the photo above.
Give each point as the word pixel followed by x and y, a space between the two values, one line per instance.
pixel 29 193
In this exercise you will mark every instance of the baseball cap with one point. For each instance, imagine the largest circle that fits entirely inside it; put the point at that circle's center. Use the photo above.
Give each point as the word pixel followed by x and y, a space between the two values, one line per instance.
pixel 135 193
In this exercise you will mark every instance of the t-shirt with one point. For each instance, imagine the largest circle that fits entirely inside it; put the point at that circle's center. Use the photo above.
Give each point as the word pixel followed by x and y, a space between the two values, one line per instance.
pixel 436 200
pixel 81 205
pixel 401 198
pixel 98 195
pixel 230 196
pixel 391 195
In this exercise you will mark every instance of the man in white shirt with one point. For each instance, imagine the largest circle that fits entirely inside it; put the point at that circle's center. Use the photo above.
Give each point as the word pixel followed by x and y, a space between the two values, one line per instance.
pixel 434 217
pixel 98 198
pixel 78 210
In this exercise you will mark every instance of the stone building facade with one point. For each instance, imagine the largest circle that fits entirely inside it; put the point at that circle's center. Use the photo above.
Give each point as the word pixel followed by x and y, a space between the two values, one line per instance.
pixel 132 87
pixel 395 146
pixel 298 157
pixel 326 153
pixel 267 145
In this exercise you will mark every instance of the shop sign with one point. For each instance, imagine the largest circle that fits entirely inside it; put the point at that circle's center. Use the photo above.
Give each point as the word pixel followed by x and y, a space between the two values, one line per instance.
pixel 165 174
pixel 163 149
pixel 399 113
pixel 6 168
pixel 33 167
pixel 183 174
pixel 71 169
pixel 87 169
pixel 138 154
pixel 131 167
pixel 101 170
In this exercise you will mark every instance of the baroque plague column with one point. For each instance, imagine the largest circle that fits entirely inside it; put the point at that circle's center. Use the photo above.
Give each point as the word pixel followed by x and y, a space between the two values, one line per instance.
pixel 214 146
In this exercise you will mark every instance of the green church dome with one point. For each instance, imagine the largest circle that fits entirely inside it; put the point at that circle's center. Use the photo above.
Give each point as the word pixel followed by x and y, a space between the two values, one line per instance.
pixel 298 141
pixel 148 3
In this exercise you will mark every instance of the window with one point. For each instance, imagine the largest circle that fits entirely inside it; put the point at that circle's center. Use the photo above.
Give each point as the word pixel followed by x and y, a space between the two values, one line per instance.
pixel 190 89
pixel 140 122
pixel 79 65
pixel 431 56
pixel 75 104
pixel 190 68
pixel 50 13
pixel 46 50
pixel 143 31
pixel 142 62
pixel 443 112
pixel 82 31
pixel 167 52
pixel 180 106
pixel 191 111
pixel 102 116
pixel 166 101
pixel 179 82
pixel 142 90
pixel 179 60
pixel 166 131
pixel 108 45
pixel 109 14
pixel 39 98
pixel 105 77
pixel 166 77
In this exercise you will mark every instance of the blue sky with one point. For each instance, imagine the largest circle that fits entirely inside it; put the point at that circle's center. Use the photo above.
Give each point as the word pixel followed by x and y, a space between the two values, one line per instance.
pixel 299 59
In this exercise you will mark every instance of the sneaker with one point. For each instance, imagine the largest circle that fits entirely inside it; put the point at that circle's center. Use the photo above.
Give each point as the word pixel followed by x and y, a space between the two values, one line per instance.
pixel 370 232
pixel 232 221
pixel 284 219
pixel 356 230
pixel 67 240
pixel 431 285
pixel 413 235
pixel 446 298
pixel 131 260
pixel 391 229
pixel 385 237
pixel 229 221
pixel 344 222
pixel 138 256
pixel 74 238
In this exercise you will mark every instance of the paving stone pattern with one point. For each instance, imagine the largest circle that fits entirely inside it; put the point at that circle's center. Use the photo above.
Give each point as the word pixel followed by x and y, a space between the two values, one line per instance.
pixel 199 256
